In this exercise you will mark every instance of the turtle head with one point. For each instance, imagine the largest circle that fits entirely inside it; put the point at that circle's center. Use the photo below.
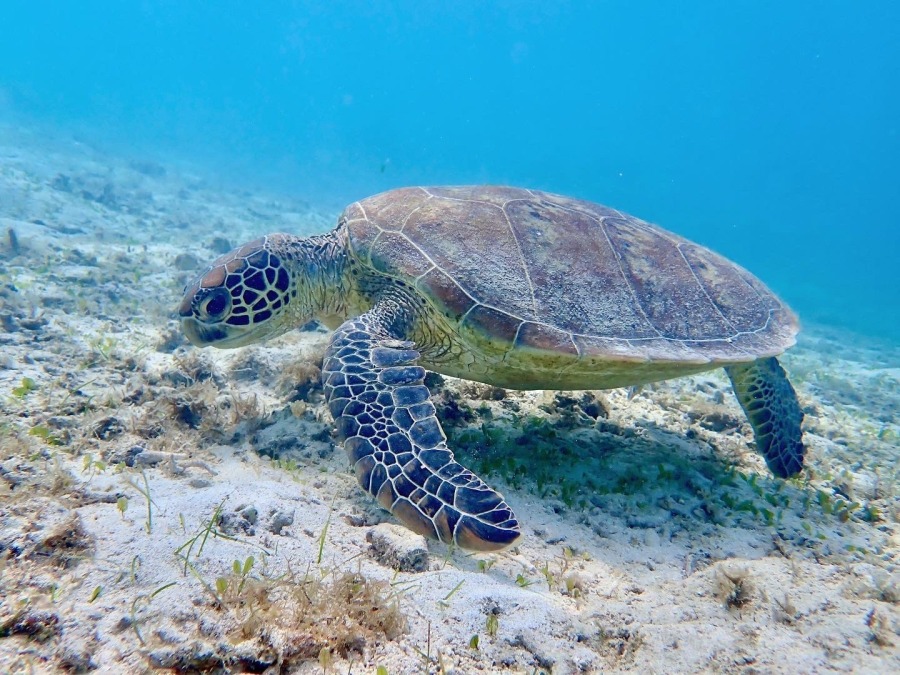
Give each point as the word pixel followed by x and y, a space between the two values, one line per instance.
pixel 241 298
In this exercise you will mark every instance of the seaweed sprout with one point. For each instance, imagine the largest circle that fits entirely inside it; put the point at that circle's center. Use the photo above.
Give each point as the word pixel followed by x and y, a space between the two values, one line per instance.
pixel 340 613
pixel 733 586
pixel 492 623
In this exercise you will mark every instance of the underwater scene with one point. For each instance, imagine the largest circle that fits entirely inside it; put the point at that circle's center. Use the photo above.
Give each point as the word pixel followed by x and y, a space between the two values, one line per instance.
pixel 342 337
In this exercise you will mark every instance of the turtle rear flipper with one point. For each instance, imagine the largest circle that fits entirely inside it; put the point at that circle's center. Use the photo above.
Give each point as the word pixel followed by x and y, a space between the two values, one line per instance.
pixel 381 406
pixel 766 395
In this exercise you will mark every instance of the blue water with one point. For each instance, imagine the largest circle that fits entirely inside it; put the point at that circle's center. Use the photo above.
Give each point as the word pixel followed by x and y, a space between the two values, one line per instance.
pixel 769 131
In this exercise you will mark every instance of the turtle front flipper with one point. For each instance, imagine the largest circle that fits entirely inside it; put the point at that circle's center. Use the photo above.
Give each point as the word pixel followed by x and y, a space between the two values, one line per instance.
pixel 766 395
pixel 376 393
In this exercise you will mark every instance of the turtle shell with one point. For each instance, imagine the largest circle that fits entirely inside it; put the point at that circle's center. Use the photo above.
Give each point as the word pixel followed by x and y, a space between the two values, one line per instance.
pixel 547 273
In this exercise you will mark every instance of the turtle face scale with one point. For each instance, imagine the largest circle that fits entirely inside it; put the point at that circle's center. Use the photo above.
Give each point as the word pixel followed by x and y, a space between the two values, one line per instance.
pixel 240 299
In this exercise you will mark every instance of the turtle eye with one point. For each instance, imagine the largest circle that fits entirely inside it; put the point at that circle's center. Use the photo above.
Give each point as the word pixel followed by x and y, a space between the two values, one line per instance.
pixel 215 305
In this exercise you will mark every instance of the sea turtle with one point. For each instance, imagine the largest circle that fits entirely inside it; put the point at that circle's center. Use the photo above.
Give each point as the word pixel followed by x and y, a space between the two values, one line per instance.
pixel 513 287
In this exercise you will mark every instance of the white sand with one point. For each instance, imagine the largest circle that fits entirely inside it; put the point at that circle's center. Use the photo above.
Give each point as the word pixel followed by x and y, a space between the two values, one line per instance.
pixel 673 550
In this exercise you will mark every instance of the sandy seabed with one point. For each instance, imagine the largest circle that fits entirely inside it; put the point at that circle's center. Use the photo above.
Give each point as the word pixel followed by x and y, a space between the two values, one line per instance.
pixel 164 507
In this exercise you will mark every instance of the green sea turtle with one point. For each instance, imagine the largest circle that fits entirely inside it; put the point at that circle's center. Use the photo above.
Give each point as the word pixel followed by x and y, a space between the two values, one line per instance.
pixel 512 287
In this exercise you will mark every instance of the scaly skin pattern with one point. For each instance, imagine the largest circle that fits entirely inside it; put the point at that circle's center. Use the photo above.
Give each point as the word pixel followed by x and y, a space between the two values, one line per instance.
pixel 413 278
pixel 381 406
pixel 766 395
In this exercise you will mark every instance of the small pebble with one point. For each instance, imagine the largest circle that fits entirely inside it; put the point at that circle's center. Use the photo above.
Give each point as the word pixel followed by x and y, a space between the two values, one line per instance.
pixel 250 514
pixel 280 520
pixel 221 245
pixel 186 262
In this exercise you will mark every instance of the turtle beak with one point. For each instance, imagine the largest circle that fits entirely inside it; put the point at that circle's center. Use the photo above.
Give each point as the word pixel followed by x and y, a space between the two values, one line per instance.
pixel 217 335
pixel 201 335
pixel 184 309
